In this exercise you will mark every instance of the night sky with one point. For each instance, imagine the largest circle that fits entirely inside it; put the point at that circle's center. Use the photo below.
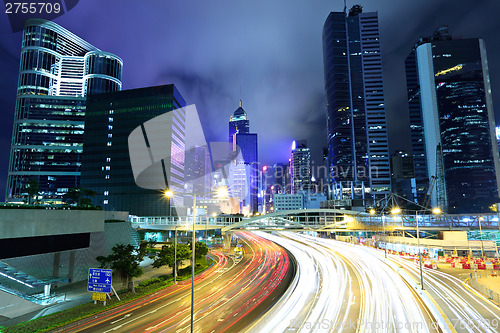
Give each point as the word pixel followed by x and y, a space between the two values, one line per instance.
pixel 266 52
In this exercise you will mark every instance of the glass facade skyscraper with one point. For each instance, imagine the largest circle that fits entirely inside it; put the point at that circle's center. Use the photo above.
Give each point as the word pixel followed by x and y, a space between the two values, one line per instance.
pixel 300 167
pixel 452 122
pixel 239 134
pixel 238 122
pixel 107 170
pixel 57 71
pixel 358 152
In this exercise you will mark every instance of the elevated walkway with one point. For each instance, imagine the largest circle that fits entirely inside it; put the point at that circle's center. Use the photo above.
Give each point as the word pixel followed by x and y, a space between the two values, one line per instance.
pixel 322 220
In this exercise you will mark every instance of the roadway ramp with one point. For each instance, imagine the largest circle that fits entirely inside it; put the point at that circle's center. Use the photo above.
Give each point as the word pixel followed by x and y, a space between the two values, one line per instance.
pixel 12 306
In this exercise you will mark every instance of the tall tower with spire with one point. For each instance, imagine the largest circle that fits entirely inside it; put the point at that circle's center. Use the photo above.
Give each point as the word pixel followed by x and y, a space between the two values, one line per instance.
pixel 238 122
pixel 239 135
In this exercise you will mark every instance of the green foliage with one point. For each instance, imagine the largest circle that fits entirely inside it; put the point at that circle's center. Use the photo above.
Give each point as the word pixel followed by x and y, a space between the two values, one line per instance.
pixel 125 260
pixel 79 197
pixel 200 249
pixel 62 318
pixel 166 256
pixel 32 188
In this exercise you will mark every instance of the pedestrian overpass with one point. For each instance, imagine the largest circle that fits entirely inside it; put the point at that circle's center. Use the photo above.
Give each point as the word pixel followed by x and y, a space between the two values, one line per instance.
pixel 334 220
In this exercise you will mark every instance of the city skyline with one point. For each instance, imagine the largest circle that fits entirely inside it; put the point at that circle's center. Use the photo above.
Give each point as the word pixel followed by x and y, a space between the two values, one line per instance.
pixel 198 79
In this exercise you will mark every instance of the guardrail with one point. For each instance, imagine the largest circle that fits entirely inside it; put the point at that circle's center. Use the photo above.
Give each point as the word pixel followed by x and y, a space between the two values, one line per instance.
pixel 485 290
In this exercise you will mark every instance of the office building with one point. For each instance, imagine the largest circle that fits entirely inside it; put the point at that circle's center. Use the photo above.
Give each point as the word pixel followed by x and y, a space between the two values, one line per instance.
pixel 197 169
pixel 452 123
pixel 358 154
pixel 239 132
pixel 403 176
pixel 284 202
pixel 300 167
pixel 58 70
pixel 238 122
pixel 402 165
pixel 107 168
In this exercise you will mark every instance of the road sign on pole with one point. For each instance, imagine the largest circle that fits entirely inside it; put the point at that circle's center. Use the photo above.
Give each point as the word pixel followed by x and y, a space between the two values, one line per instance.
pixel 99 280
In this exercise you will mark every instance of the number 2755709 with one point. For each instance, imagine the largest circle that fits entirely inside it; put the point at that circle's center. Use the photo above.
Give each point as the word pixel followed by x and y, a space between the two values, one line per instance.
pixel 32 8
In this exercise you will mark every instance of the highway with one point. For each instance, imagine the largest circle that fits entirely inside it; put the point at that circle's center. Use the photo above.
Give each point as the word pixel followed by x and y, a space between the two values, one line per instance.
pixel 228 297
pixel 465 310
pixel 341 287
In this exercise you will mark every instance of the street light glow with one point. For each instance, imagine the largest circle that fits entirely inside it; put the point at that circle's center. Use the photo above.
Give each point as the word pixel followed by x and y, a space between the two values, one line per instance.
pixel 436 210
pixel 348 218
pixel 372 211
pixel 222 192
pixel 395 210
pixel 169 193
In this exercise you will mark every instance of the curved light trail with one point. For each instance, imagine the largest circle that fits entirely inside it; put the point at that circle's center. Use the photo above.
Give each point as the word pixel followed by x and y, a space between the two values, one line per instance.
pixel 227 298
pixel 339 287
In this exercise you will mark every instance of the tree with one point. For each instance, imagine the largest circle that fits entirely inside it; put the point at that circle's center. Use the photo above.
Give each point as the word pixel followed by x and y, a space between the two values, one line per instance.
pixel 200 249
pixel 32 188
pixel 86 199
pixel 167 253
pixel 79 197
pixel 73 196
pixel 125 260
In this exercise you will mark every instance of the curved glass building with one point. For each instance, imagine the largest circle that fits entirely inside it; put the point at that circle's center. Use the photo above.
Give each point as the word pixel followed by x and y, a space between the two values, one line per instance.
pixel 57 71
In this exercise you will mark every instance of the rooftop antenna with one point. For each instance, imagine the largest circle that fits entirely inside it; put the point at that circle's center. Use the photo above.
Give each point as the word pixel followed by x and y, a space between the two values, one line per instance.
pixel 240 96
pixel 345 6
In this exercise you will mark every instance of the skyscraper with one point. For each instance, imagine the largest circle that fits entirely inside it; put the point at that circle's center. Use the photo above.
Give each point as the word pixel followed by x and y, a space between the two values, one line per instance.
pixel 358 153
pixel 452 122
pixel 238 122
pixel 107 168
pixel 403 175
pixel 58 69
pixel 197 169
pixel 239 134
pixel 300 167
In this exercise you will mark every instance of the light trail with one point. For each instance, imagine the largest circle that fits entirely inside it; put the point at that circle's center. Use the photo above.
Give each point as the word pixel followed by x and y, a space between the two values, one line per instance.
pixel 339 287
pixel 467 311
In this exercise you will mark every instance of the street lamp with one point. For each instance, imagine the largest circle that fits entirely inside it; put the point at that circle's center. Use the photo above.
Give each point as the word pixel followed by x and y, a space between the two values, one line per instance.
pixel 221 191
pixel 419 253
pixel 395 211
pixel 385 235
pixel 480 219
pixel 175 255
pixel 169 194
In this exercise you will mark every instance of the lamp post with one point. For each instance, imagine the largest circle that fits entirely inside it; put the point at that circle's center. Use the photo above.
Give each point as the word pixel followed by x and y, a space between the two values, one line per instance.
pixel 419 253
pixel 169 194
pixel 175 255
pixel 394 211
pixel 481 234
pixel 193 263
pixel 222 192
pixel 385 236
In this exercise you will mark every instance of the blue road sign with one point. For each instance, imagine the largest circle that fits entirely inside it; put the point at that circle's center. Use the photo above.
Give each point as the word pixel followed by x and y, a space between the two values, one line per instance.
pixel 99 280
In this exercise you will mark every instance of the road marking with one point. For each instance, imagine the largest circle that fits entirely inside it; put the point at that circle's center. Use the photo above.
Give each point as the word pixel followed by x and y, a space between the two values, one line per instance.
pixel 124 317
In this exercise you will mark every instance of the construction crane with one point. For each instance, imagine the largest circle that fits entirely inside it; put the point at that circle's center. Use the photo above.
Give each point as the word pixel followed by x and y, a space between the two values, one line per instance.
pixel 428 195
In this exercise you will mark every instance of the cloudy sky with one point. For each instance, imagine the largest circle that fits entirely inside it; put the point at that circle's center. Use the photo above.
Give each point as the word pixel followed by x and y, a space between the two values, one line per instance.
pixel 266 52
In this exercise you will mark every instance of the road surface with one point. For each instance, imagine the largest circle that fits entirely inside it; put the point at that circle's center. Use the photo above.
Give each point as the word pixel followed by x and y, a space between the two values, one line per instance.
pixel 339 287
pixel 227 298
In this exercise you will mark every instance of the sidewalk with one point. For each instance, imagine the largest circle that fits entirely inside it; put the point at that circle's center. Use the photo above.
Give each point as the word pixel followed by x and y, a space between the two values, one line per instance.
pixel 76 293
